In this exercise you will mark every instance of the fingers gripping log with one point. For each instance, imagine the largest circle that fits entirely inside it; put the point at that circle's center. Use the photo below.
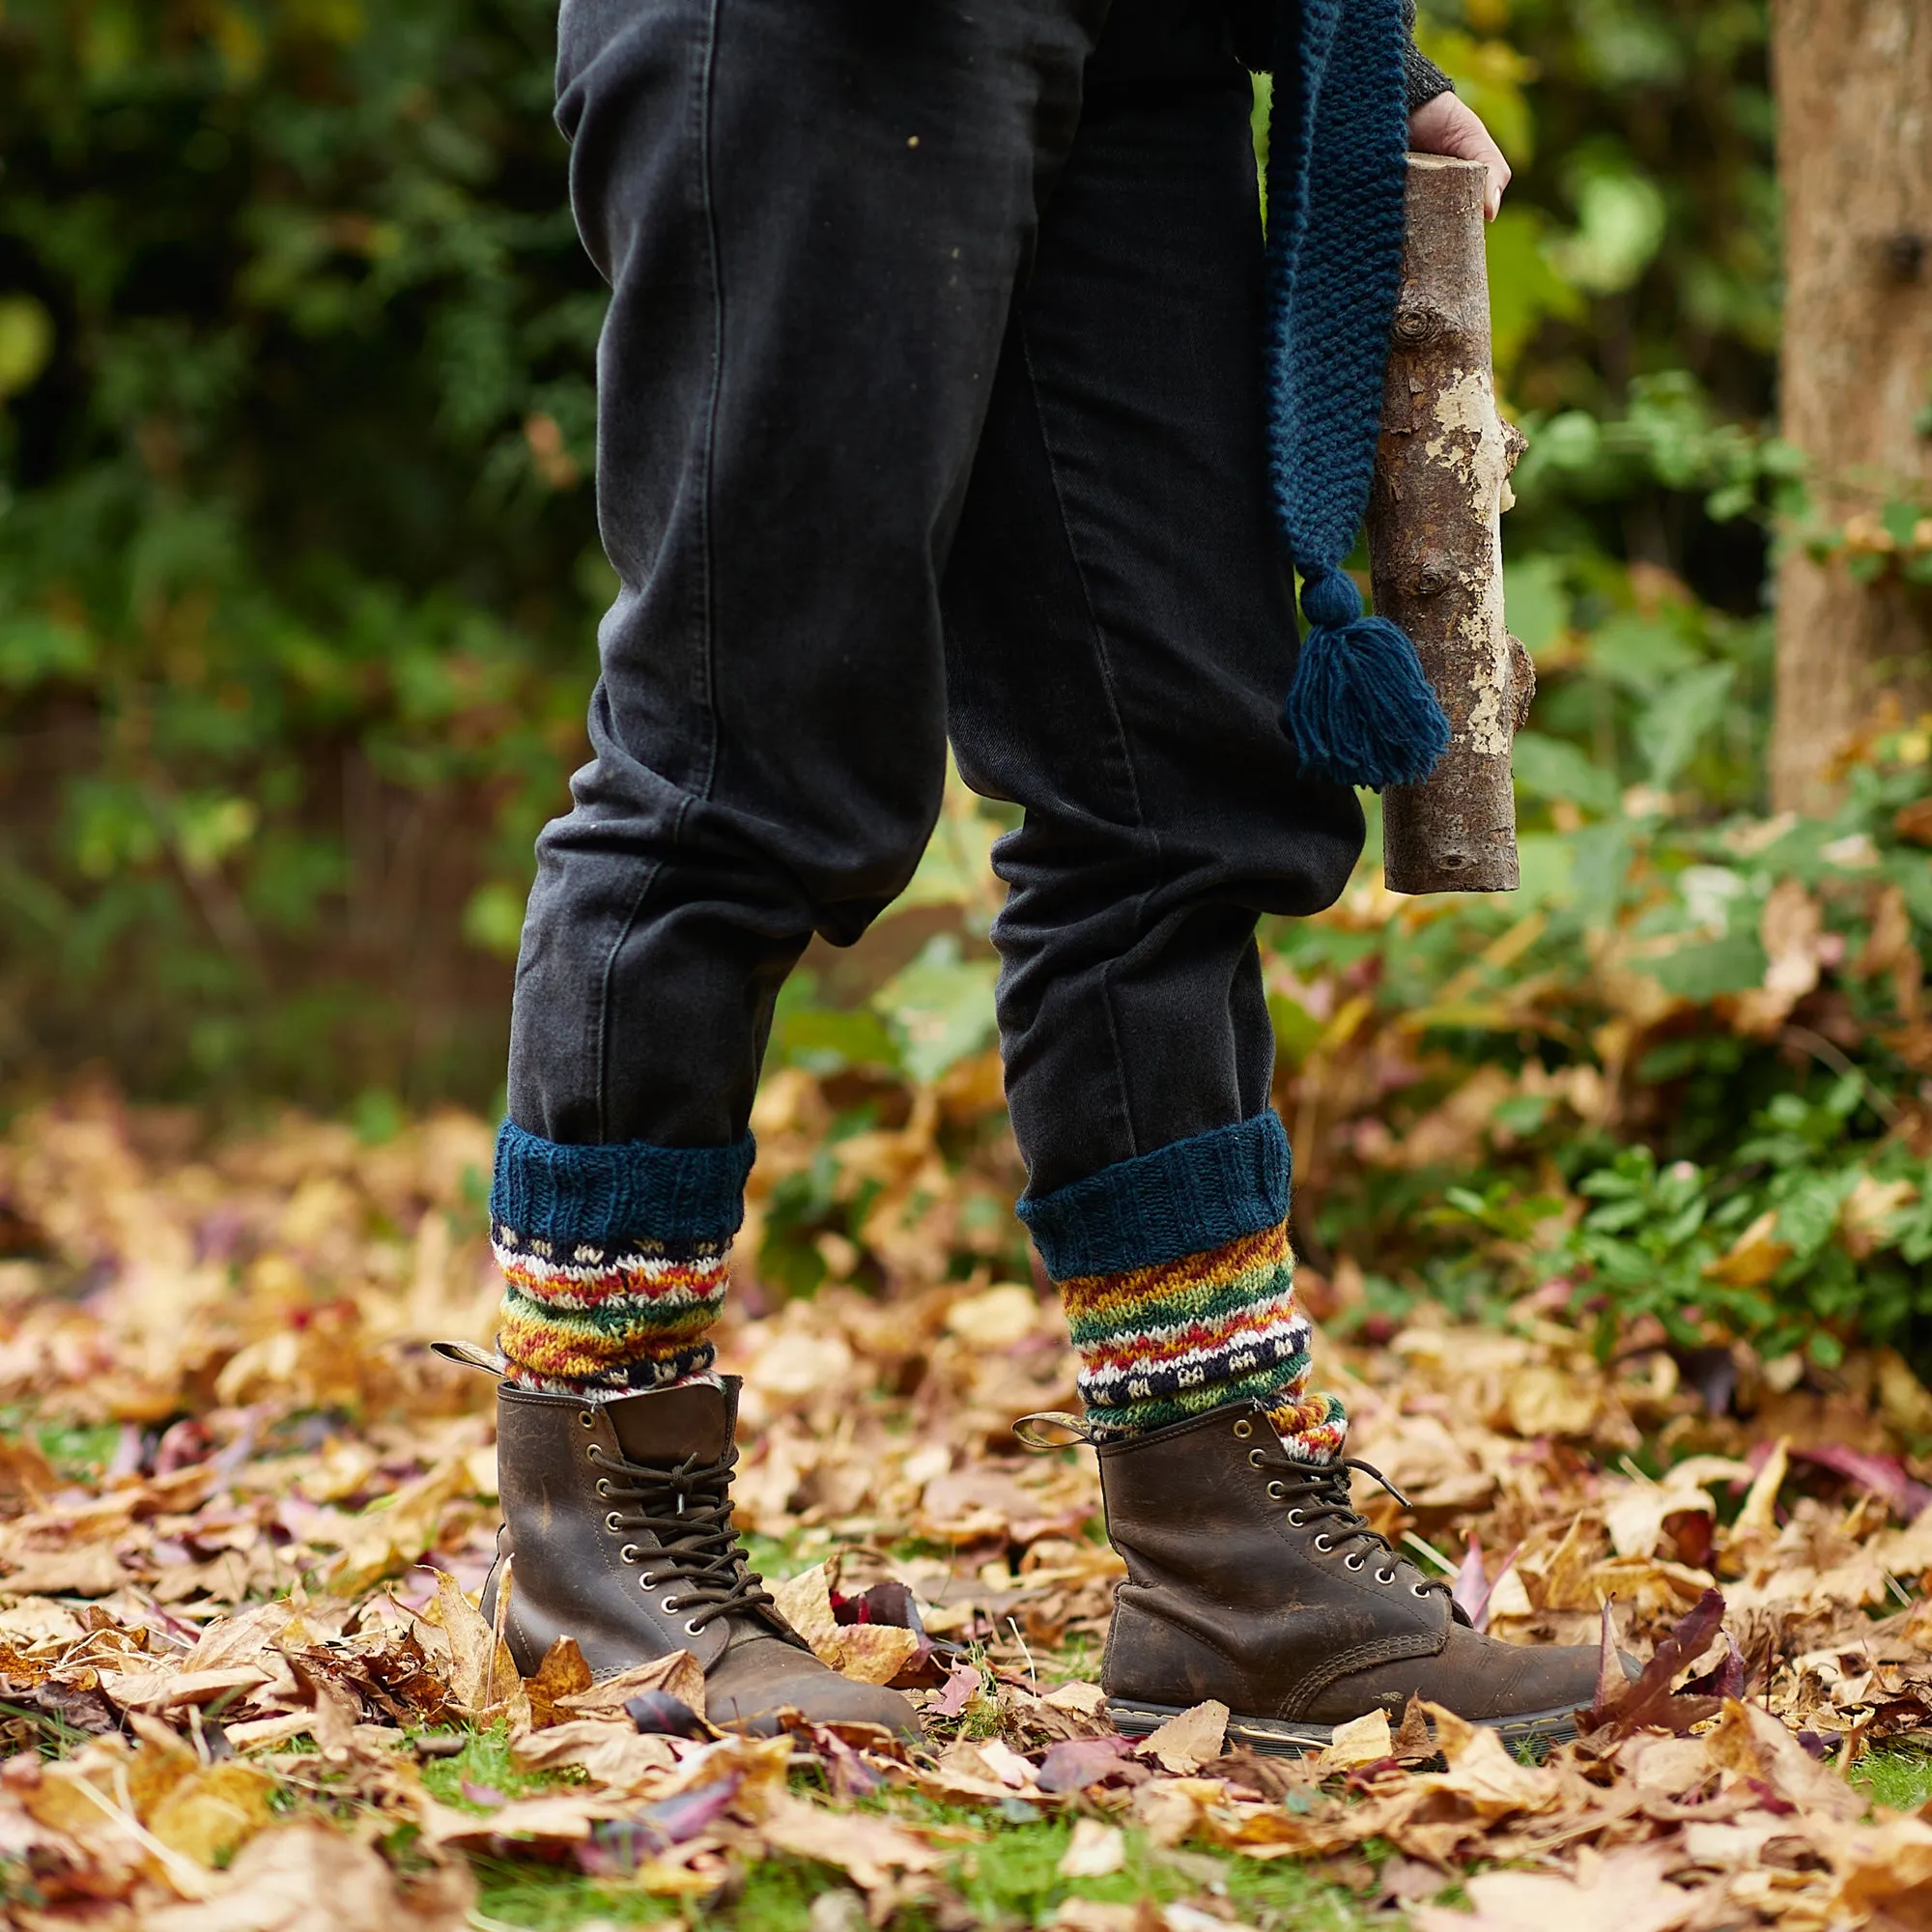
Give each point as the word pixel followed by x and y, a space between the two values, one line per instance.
pixel 1441 484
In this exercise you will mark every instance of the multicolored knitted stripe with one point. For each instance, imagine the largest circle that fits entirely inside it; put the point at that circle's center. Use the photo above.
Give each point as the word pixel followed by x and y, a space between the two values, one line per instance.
pixel 582 1318
pixel 613 1259
pixel 1161 1344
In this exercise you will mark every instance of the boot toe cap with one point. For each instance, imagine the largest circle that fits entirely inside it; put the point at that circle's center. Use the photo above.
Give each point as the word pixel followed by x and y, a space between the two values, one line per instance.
pixel 752 1683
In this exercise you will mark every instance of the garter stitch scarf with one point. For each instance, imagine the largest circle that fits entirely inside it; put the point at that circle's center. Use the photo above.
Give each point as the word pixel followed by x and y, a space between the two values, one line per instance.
pixel 1360 710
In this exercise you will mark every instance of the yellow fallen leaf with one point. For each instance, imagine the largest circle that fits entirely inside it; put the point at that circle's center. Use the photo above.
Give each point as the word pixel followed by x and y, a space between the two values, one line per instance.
pixel 209 1812
pixel 1187 1742
pixel 1364 1740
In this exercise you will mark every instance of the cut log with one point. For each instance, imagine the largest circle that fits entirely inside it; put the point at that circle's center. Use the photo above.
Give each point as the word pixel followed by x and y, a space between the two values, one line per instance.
pixel 1441 484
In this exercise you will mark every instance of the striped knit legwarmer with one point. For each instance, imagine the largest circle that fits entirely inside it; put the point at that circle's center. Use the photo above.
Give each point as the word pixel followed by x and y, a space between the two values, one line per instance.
pixel 1179 1288
pixel 613 1259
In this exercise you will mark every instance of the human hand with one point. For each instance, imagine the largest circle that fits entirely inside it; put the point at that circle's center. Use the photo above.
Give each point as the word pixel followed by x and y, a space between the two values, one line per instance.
pixel 1447 126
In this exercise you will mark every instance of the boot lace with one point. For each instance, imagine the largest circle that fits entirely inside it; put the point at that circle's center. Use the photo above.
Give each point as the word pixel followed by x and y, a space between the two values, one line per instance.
pixel 1318 1493
pixel 687 1507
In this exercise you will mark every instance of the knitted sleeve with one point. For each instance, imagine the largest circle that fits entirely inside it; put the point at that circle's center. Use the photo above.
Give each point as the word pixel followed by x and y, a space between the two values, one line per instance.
pixel 1424 79
pixel 1253 22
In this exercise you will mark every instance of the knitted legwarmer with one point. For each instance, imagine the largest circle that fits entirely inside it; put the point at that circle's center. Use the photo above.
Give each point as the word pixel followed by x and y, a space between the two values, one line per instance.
pixel 1178 1287
pixel 613 1259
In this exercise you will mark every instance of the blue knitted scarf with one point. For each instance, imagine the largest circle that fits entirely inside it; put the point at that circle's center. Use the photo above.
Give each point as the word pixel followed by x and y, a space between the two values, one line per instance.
pixel 1360 710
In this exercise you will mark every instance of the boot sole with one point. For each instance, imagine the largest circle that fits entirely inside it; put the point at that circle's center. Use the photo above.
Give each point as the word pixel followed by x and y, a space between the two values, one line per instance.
pixel 1271 1737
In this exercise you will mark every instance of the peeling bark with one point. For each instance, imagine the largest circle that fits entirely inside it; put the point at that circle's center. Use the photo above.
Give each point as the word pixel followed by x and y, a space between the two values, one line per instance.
pixel 1435 545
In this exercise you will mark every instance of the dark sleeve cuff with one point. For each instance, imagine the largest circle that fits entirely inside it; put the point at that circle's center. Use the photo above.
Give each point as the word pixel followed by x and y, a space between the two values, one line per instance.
pixel 1422 79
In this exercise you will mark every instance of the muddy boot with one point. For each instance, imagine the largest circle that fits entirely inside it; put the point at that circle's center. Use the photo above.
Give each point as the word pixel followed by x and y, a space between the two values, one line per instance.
pixel 1252 1580
pixel 617 1527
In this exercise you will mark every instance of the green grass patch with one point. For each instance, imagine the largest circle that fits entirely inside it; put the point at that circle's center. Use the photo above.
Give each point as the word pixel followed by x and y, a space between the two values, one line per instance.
pixel 1896 1775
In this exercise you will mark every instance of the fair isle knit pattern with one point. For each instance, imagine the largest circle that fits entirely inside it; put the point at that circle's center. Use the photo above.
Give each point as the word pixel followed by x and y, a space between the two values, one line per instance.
pixel 1178 1287
pixel 613 1259
pixel 1159 1345
pixel 578 1318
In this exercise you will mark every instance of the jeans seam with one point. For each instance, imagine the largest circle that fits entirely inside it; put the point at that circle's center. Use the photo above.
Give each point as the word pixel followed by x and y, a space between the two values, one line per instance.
pixel 707 616
pixel 708 458
pixel 1097 632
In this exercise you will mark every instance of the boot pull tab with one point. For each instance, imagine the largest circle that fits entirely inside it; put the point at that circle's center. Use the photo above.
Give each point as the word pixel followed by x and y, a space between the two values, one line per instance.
pixel 469 1356
pixel 1036 1431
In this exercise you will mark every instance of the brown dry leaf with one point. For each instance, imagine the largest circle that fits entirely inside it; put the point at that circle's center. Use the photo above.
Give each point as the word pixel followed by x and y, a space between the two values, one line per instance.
pixel 869 1850
pixel 610 1753
pixel 1186 1743
pixel 1873 1864
pixel 1751 1742
pixel 483 1677
pixel 307 1878
pixel 1483 1773
pixel 869 1653
pixel 557 1818
pixel 563 1673
pixel 1624 1892
pixel 1367 1740
pixel 678 1675
pixel 86 1570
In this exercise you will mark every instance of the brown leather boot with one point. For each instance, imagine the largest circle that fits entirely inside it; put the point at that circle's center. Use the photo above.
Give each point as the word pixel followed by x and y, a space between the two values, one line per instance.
pixel 1252 1580
pixel 618 1525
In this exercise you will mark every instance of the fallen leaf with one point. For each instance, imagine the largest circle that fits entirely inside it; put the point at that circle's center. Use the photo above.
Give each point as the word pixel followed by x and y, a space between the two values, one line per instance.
pixel 1094 1850
pixel 1187 1742
pixel 307 1878
pixel 1364 1740
pixel 680 1675
pixel 1626 1892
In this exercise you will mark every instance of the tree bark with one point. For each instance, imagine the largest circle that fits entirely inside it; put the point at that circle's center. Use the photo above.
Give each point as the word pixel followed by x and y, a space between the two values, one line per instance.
pixel 1435 543
pixel 1853 85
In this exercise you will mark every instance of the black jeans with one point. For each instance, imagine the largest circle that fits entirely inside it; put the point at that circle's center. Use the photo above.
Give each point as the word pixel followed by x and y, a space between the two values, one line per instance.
pixel 929 404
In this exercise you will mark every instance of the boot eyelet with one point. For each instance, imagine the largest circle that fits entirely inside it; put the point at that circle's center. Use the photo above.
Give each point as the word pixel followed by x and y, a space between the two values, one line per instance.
pixel 692 1628
pixel 602 1485
pixel 1325 1543
pixel 1257 1456
pixel 1244 1428
pixel 614 1522
pixel 592 1454
pixel 649 1580
pixel 629 1552
pixel 1277 1490
pixel 1297 1517
pixel 1384 1576
pixel 1417 1590
pixel 1355 1562
pixel 584 1416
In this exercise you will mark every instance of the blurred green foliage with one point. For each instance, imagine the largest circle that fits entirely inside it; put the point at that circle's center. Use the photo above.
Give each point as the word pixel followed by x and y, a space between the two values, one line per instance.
pixel 299 576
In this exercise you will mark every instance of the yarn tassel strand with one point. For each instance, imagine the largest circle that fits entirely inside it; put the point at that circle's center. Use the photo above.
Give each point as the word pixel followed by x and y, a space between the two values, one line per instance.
pixel 1360 710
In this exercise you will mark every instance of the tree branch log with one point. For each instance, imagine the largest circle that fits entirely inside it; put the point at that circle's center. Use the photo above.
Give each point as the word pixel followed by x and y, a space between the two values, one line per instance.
pixel 1436 544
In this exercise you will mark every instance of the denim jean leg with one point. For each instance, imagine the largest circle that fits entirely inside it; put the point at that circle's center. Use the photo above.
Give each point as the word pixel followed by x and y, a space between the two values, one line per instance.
pixel 1121 633
pixel 813 220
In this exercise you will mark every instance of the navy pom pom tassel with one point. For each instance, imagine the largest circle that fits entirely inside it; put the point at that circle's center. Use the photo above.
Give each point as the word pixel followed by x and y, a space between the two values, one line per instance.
pixel 1360 710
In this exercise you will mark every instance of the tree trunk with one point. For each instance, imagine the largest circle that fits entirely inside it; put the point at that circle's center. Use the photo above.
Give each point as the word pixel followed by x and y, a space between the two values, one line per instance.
pixel 1854 84
pixel 1435 543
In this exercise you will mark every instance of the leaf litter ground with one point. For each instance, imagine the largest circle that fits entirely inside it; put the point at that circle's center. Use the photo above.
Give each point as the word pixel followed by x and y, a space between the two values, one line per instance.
pixel 244 1515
